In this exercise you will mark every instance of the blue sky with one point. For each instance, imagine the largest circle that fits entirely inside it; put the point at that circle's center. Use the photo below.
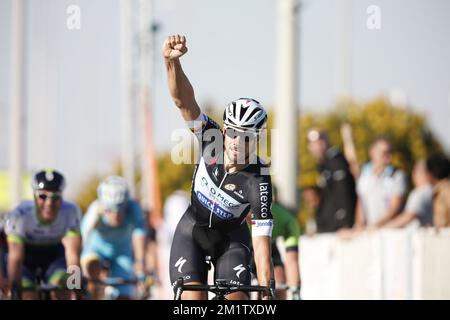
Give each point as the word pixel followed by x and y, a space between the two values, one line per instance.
pixel 73 102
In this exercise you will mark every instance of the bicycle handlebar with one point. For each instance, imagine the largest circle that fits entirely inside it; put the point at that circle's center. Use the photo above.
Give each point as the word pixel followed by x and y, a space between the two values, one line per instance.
pixel 223 287
pixel 112 281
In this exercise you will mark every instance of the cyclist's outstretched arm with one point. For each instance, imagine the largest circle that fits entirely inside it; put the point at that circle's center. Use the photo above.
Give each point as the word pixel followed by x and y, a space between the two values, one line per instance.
pixel 263 260
pixel 180 88
pixel 16 256
pixel 138 239
pixel 15 235
pixel 72 248
pixel 138 242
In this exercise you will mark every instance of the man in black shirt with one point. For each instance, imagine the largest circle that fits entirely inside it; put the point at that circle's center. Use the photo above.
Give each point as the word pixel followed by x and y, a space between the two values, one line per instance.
pixel 337 185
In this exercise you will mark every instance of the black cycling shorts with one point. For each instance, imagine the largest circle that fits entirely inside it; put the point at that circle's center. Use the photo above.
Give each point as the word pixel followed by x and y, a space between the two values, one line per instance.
pixel 192 243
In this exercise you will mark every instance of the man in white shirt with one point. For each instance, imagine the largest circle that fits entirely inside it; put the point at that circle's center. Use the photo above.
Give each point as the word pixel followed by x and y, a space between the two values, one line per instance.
pixel 381 188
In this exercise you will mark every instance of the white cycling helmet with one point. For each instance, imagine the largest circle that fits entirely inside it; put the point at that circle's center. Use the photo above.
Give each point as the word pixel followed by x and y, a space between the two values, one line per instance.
pixel 112 193
pixel 245 114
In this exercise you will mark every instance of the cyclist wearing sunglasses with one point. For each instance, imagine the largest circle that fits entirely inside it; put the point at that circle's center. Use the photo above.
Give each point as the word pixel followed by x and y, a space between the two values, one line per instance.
pixel 44 235
pixel 229 181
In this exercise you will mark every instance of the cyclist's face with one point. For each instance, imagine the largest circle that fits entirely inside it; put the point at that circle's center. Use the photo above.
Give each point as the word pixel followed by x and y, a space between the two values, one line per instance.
pixel 47 203
pixel 114 218
pixel 239 145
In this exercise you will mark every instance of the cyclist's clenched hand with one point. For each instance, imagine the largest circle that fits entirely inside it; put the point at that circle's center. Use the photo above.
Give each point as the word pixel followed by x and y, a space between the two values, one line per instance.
pixel 174 47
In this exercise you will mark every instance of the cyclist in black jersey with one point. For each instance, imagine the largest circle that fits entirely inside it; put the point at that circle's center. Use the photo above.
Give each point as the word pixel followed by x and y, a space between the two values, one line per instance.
pixel 228 182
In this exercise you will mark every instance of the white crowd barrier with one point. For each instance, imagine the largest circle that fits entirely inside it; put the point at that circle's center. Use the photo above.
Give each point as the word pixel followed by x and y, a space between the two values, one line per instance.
pixel 412 263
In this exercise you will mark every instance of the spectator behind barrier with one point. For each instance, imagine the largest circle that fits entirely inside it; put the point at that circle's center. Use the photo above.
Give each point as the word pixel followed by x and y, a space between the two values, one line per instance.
pixel 311 201
pixel 338 196
pixel 381 188
pixel 419 205
pixel 438 167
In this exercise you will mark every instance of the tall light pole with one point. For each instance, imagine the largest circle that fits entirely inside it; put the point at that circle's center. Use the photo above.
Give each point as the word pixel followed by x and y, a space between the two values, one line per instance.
pixel 343 62
pixel 285 157
pixel 17 101
pixel 145 72
pixel 127 148
pixel 150 193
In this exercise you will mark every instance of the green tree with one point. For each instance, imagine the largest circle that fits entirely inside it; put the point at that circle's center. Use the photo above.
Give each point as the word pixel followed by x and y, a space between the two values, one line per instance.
pixel 173 176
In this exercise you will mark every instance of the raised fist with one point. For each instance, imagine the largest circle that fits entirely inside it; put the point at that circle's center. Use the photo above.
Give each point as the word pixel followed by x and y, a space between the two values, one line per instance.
pixel 174 47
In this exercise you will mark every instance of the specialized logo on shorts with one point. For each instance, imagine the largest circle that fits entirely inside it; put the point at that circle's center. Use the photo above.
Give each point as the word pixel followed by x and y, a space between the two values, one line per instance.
pixel 240 268
pixel 230 187
pixel 180 263
pixel 264 199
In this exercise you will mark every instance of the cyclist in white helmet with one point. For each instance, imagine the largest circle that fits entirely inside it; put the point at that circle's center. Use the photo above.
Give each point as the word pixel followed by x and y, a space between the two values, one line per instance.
pixel 113 233
pixel 229 181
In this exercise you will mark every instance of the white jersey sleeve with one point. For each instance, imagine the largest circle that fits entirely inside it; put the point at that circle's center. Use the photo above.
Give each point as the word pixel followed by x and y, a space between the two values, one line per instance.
pixel 90 219
pixel 15 226
pixel 74 220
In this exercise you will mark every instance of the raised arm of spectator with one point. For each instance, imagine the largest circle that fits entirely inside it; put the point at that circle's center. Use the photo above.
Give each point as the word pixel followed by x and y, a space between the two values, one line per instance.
pixel 350 150
pixel 180 88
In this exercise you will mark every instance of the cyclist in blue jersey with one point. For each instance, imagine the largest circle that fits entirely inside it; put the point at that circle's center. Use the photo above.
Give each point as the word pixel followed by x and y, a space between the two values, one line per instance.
pixel 43 236
pixel 229 181
pixel 114 233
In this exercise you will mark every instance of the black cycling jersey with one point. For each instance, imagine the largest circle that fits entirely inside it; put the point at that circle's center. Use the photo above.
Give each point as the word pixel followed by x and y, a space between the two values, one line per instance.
pixel 221 199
